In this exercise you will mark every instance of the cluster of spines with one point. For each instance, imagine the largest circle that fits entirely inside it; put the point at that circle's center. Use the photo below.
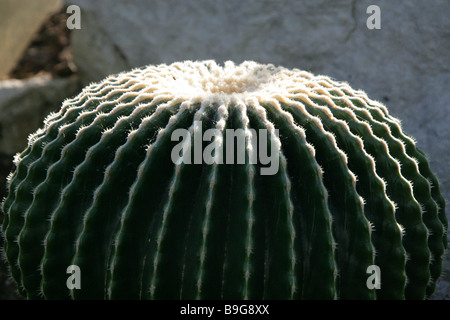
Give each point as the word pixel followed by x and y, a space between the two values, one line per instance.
pixel 97 188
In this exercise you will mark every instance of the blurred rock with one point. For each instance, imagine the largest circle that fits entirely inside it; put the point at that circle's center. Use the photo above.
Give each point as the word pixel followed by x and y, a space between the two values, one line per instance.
pixel 24 104
pixel 19 20
pixel 49 50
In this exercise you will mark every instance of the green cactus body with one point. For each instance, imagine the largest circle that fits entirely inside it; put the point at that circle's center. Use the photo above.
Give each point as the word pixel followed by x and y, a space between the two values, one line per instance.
pixel 97 187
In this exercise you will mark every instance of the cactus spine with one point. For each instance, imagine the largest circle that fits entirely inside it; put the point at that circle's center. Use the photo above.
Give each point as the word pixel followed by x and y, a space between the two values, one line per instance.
pixel 97 188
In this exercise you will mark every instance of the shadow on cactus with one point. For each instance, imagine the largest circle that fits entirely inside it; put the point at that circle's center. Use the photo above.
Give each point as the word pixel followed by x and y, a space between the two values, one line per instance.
pixel 199 181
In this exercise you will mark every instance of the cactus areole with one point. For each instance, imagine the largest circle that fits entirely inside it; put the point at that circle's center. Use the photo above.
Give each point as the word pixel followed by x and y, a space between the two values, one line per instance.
pixel 200 181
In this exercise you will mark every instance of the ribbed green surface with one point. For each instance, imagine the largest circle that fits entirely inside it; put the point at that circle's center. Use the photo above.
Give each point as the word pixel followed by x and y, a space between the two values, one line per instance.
pixel 97 188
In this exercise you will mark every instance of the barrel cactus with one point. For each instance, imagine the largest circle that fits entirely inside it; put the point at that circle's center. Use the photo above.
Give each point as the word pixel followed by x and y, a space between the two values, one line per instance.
pixel 200 181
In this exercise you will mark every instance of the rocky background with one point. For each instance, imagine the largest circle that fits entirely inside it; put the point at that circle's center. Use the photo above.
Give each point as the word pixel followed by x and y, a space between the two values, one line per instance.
pixel 405 64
